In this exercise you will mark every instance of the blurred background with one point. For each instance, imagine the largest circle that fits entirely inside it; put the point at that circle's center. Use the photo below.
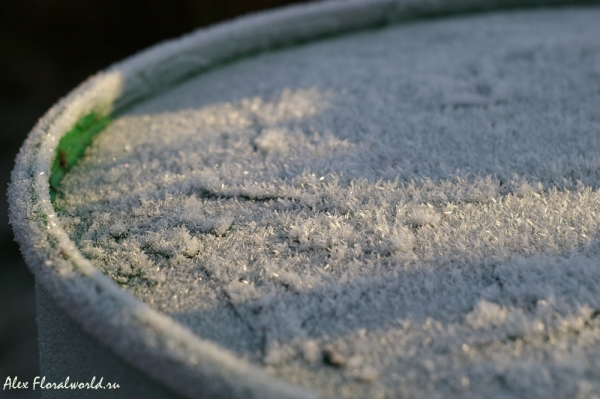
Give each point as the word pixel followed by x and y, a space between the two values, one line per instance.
pixel 47 47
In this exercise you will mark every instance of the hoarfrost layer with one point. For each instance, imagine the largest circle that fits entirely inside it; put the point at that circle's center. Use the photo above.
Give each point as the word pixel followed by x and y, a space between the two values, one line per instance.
pixel 421 200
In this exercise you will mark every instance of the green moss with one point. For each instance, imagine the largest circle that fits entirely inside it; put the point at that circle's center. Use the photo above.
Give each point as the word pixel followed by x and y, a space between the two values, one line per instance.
pixel 72 147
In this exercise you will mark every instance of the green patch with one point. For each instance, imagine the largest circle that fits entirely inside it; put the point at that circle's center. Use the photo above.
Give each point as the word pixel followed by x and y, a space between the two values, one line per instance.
pixel 72 147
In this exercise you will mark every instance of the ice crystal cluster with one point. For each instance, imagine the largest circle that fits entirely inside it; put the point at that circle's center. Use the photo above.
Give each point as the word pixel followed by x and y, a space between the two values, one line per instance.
pixel 412 211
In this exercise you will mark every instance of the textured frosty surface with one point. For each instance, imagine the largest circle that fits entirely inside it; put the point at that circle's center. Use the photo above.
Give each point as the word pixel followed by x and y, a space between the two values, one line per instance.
pixel 421 198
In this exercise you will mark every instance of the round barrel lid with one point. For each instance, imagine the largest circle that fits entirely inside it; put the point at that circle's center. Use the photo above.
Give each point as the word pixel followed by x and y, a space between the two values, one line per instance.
pixel 407 210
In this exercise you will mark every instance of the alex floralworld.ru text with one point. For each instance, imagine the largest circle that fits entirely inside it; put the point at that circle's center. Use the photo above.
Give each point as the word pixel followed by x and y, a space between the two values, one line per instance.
pixel 40 382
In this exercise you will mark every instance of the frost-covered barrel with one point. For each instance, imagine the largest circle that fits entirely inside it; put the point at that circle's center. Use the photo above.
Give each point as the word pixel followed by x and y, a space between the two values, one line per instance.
pixel 357 199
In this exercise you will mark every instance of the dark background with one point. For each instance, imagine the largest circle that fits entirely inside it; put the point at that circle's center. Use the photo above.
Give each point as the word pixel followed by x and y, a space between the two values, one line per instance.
pixel 47 47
